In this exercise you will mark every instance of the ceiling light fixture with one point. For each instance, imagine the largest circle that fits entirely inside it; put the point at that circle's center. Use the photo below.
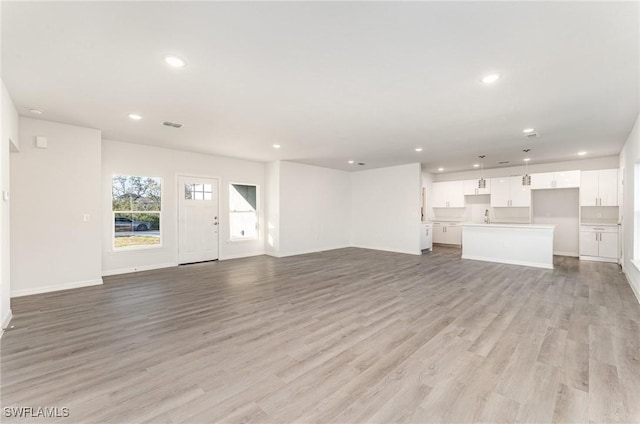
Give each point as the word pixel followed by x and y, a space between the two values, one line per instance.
pixel 174 61
pixel 418 149
pixel 482 183
pixel 526 178
pixel 582 153
pixel 135 117
pixel 351 162
pixel 276 146
pixel 440 169
pixel 35 111
pixel 491 78
pixel 476 165
pixel 528 130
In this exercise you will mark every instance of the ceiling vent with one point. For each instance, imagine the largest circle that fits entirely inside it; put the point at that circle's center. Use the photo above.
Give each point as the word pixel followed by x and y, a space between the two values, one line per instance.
pixel 361 163
pixel 171 124
pixel 503 162
pixel 531 135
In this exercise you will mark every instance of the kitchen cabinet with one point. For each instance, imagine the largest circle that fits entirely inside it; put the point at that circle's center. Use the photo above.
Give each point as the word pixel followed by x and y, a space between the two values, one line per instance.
pixel 426 236
pixel 599 243
pixel 447 194
pixel 447 233
pixel 509 192
pixel 599 188
pixel 547 180
pixel 470 187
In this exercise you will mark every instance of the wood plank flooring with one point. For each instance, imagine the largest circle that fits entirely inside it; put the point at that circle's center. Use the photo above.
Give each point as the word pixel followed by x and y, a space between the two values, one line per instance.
pixel 345 336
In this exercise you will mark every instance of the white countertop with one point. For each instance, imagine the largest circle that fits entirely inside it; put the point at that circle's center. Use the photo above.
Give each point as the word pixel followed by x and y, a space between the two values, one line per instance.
pixel 524 226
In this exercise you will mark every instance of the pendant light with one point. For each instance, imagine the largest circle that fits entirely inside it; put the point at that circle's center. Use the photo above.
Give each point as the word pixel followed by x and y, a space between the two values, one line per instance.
pixel 526 178
pixel 482 183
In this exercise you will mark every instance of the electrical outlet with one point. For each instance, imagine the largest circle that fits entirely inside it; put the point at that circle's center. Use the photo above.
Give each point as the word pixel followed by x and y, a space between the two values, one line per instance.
pixel 86 217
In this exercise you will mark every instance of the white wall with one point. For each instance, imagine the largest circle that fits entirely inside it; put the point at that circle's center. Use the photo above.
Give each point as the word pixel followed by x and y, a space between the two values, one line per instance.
pixel 385 212
pixel 135 159
pixel 629 158
pixel 427 184
pixel 581 164
pixel 52 189
pixel 9 134
pixel 272 208
pixel 314 209
pixel 559 207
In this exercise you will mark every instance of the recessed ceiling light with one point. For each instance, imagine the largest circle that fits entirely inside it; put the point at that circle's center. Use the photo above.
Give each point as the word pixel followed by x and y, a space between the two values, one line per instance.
pixel 476 165
pixel 528 130
pixel 526 159
pixel 351 162
pixel 418 149
pixel 135 117
pixel 491 78
pixel 35 111
pixel 440 169
pixel 582 153
pixel 276 146
pixel 174 61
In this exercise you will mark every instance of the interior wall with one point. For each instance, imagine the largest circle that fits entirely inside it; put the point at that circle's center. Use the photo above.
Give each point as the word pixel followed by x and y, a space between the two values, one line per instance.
pixel 629 158
pixel 272 208
pixel 385 212
pixel 52 247
pixel 559 207
pixel 10 141
pixel 136 159
pixel 580 164
pixel 427 184
pixel 315 206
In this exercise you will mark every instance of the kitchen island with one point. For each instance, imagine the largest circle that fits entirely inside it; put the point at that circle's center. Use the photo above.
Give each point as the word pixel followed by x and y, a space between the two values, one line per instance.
pixel 518 244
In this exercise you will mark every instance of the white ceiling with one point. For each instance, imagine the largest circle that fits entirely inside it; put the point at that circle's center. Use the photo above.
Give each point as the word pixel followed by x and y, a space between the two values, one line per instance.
pixel 335 81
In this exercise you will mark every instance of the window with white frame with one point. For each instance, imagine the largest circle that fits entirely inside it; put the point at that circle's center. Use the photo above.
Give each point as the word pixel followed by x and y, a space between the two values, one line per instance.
pixel 243 211
pixel 136 203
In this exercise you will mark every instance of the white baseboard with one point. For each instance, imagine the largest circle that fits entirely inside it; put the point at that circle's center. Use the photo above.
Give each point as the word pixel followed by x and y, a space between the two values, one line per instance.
pixel 108 273
pixel 598 259
pixel 306 252
pixel 508 261
pixel 635 291
pixel 385 249
pixel 5 322
pixel 241 255
pixel 57 287
pixel 571 254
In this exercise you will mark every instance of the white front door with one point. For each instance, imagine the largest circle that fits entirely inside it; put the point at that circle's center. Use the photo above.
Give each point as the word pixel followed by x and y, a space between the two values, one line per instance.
pixel 197 219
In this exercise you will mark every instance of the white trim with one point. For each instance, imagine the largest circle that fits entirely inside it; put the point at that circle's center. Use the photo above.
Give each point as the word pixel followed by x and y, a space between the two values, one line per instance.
pixel 633 289
pixel 508 261
pixel 384 249
pixel 571 254
pixel 7 319
pixel 57 287
pixel 598 259
pixel 138 269
pixel 241 255
pixel 635 263
pixel 306 252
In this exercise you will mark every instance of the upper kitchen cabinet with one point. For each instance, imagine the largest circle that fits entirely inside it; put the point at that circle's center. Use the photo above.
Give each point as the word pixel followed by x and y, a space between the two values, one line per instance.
pixel 509 192
pixel 566 179
pixel 599 188
pixel 447 194
pixel 471 187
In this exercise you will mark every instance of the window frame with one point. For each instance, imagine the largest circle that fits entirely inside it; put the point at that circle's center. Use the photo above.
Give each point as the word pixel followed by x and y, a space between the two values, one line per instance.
pixel 114 248
pixel 232 239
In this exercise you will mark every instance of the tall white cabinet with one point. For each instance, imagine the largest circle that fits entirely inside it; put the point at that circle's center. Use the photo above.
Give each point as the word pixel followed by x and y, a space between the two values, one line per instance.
pixel 509 192
pixel 599 188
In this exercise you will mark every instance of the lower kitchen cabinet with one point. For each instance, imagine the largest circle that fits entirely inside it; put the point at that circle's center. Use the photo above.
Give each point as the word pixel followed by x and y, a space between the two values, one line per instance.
pixel 599 243
pixel 426 236
pixel 447 233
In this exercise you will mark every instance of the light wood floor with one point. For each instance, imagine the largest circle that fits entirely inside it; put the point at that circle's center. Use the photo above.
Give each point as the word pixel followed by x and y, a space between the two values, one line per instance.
pixel 347 336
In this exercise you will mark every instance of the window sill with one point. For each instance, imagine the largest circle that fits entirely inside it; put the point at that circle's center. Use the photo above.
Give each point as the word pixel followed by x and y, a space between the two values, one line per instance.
pixel 636 263
pixel 239 240
pixel 135 249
